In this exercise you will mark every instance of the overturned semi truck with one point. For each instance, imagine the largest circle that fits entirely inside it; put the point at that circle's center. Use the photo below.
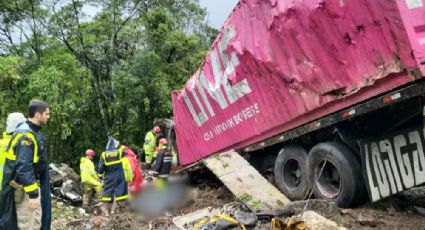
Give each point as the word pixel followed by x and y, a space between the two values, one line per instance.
pixel 322 94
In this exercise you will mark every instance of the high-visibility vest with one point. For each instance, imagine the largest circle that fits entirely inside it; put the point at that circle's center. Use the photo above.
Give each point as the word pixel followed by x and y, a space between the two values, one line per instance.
pixel 128 173
pixel 126 166
pixel 3 144
pixel 10 153
pixel 88 172
pixel 150 143
pixel 7 145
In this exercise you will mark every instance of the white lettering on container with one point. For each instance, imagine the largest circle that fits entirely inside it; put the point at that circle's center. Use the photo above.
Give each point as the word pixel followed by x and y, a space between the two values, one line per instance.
pixel 222 67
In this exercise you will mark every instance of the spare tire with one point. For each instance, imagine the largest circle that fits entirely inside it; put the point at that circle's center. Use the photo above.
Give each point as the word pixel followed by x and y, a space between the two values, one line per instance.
pixel 290 172
pixel 335 173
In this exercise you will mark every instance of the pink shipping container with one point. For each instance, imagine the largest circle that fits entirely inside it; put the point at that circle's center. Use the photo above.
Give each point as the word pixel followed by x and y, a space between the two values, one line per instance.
pixel 279 64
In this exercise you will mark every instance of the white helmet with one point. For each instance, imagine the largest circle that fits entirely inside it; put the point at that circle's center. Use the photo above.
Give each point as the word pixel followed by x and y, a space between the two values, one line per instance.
pixel 13 120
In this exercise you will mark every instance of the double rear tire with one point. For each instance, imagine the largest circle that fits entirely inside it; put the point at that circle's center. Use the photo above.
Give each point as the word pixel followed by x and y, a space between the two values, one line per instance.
pixel 330 168
pixel 335 173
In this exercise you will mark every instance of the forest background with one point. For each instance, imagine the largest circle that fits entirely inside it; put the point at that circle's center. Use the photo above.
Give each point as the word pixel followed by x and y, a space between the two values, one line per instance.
pixel 110 74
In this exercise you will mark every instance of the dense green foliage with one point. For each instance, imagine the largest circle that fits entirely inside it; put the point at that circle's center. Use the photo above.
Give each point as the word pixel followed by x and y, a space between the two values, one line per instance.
pixel 108 73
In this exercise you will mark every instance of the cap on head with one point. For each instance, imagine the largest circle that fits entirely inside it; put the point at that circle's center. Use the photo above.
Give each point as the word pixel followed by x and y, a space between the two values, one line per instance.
pixel 156 129
pixel 90 153
pixel 13 119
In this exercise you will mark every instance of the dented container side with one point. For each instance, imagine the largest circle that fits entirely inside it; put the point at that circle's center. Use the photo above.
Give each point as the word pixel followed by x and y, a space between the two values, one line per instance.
pixel 280 64
pixel 413 17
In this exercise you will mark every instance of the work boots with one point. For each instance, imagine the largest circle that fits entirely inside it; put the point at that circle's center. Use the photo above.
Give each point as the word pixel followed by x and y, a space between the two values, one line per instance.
pixel 87 196
pixel 114 207
pixel 86 201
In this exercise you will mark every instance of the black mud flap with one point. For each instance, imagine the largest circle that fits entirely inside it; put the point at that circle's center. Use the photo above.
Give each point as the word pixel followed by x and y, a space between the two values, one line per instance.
pixel 393 163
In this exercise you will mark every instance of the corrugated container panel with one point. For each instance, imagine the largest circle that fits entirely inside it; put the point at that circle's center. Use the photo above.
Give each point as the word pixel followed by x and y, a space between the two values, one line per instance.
pixel 278 64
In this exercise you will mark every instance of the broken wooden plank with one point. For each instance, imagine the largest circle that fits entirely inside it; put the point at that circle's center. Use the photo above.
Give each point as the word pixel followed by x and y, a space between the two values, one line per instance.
pixel 245 182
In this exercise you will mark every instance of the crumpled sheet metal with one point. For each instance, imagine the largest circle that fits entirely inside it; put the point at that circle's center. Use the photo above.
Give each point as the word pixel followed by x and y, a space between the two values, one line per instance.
pixel 65 183
pixel 279 64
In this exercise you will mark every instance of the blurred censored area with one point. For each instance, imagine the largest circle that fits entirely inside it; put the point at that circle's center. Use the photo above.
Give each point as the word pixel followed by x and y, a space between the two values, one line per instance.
pixel 159 197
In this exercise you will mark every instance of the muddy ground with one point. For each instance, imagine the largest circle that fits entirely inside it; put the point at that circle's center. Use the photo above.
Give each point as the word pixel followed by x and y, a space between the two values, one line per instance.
pixel 69 217
pixel 404 211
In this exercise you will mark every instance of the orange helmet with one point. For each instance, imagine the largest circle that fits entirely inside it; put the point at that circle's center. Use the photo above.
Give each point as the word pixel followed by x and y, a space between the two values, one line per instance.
pixel 156 129
pixel 90 153
pixel 163 141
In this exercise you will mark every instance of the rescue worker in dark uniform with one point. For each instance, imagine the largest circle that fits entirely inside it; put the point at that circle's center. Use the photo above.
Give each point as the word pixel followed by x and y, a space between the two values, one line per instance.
pixel 163 163
pixel 111 168
pixel 25 201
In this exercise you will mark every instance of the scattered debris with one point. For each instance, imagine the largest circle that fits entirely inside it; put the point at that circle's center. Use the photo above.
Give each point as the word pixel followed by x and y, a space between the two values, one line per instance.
pixel 308 220
pixel 212 206
pixel 81 224
pixel 83 212
pixel 322 207
pixel 413 196
pixel 246 218
pixel 184 222
pixel 419 210
pixel 368 221
pixel 314 221
pixel 217 222
pixel 65 183
pixel 65 216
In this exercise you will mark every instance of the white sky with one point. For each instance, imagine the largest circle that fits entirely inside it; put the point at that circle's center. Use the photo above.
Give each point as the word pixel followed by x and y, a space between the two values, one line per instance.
pixel 218 10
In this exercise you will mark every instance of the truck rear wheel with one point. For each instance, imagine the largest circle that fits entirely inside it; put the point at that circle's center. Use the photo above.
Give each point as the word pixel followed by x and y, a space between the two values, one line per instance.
pixel 290 172
pixel 335 173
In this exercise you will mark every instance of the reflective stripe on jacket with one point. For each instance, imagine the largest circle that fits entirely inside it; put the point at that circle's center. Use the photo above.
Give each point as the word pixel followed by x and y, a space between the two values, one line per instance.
pixel 110 163
pixel 163 162
pixel 26 143
pixel 27 163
